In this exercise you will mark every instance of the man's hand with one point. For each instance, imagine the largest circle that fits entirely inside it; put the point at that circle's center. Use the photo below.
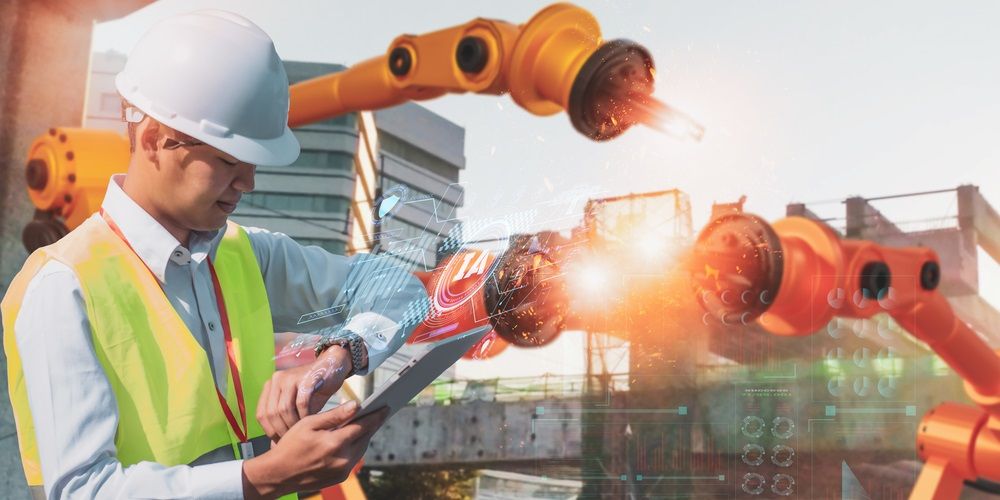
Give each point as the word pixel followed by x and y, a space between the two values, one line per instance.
pixel 293 394
pixel 317 452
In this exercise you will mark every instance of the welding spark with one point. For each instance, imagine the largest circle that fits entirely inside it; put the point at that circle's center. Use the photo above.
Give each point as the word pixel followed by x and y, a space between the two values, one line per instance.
pixel 662 117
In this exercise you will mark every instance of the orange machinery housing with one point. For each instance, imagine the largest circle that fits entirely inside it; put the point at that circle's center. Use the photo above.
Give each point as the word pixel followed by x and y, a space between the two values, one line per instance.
pixel 791 277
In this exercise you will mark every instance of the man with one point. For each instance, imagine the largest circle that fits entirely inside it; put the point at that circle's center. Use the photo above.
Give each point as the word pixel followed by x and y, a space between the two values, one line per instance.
pixel 141 347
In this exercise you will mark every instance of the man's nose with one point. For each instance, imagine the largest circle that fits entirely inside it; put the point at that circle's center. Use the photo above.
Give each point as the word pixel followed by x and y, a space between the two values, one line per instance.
pixel 244 180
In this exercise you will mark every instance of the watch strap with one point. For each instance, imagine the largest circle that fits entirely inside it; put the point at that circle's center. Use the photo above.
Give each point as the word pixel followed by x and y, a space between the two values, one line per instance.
pixel 350 341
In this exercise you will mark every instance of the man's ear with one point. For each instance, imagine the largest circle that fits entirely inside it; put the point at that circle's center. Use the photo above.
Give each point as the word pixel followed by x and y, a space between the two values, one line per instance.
pixel 149 136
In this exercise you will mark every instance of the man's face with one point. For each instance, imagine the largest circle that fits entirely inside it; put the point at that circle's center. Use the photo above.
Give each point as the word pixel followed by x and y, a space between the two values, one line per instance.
pixel 197 185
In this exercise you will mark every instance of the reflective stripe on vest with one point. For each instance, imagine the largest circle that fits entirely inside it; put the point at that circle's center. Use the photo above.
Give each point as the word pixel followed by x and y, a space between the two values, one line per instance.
pixel 168 409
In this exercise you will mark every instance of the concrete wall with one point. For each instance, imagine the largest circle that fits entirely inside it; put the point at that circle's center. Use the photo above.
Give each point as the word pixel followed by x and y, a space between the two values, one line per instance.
pixel 478 432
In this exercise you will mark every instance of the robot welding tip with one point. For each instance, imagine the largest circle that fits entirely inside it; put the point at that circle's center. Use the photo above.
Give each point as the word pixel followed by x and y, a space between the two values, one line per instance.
pixel 660 116
pixel 614 91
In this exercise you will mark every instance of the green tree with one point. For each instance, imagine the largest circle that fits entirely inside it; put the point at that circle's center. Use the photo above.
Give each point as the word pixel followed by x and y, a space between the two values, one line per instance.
pixel 418 484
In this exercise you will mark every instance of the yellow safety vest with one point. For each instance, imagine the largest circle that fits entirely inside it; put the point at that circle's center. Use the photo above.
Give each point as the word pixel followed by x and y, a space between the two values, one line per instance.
pixel 168 407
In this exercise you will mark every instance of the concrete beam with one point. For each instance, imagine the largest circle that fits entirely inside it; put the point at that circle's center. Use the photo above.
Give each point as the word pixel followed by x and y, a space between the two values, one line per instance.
pixel 865 221
pixel 979 314
pixel 976 214
pixel 800 210
pixel 956 249
pixel 478 432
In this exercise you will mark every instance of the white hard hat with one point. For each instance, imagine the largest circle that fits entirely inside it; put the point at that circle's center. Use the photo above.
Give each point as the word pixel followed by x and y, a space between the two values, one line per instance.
pixel 214 76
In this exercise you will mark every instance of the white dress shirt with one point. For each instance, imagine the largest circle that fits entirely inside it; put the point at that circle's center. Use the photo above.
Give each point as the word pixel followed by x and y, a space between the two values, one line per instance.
pixel 72 404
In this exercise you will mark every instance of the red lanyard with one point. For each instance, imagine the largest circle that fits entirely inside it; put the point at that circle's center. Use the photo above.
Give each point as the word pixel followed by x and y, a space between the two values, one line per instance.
pixel 241 432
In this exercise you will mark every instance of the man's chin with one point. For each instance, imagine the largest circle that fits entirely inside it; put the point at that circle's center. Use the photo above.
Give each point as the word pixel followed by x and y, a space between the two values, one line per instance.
pixel 211 224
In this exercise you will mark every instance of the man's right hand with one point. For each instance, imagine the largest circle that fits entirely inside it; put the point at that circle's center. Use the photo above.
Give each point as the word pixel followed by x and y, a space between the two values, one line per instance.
pixel 316 452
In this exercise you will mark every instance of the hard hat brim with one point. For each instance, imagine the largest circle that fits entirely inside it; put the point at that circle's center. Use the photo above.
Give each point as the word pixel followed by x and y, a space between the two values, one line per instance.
pixel 276 152
pixel 279 151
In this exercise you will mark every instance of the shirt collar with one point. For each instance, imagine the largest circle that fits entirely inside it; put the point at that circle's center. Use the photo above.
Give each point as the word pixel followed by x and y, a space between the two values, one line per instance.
pixel 152 243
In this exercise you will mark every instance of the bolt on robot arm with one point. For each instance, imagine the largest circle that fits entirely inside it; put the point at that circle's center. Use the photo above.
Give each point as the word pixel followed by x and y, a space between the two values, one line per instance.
pixel 794 276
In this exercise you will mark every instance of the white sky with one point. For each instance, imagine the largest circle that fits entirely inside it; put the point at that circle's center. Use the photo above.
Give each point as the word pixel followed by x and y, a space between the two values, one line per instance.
pixel 802 101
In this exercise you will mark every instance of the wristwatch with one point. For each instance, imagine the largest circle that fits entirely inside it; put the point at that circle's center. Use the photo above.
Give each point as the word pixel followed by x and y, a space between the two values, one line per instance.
pixel 350 341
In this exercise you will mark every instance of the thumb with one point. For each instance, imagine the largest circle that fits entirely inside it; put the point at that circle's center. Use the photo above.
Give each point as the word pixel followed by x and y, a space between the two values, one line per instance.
pixel 334 418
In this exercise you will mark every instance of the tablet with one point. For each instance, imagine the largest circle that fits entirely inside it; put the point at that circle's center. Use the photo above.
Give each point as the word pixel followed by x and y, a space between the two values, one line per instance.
pixel 425 366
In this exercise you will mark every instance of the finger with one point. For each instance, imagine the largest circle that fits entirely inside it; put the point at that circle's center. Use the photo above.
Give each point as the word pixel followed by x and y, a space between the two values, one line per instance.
pixel 286 406
pixel 333 418
pixel 265 423
pixel 363 427
pixel 277 423
pixel 304 394
pixel 323 391
pixel 349 433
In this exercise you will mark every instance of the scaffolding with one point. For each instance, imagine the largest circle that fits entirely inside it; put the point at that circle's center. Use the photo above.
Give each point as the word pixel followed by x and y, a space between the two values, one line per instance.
pixel 632 227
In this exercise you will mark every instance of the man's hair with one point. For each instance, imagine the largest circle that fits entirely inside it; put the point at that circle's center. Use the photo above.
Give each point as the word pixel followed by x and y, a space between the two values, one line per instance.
pixel 132 127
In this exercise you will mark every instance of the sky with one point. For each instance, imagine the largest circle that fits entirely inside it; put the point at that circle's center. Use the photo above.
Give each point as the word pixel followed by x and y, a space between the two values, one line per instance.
pixel 806 101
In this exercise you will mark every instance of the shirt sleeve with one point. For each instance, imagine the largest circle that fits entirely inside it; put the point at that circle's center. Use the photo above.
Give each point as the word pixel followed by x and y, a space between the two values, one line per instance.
pixel 74 410
pixel 311 290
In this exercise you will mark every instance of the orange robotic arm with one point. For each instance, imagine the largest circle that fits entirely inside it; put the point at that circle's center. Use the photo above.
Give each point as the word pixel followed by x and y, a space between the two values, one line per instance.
pixel 556 61
pixel 794 276
pixel 67 173
pixel 518 293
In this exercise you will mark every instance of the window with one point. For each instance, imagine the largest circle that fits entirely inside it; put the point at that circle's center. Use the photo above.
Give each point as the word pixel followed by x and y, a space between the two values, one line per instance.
pixel 319 158
pixel 298 202
pixel 394 145
pixel 349 120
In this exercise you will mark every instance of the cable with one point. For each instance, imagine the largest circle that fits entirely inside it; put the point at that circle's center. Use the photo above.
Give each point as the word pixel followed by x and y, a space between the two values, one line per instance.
pixel 984 486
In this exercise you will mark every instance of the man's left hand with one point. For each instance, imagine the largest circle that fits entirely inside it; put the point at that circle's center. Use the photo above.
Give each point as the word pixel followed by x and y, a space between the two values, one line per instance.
pixel 295 393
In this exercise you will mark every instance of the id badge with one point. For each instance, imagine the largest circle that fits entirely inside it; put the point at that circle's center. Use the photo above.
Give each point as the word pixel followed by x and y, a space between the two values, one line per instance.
pixel 246 450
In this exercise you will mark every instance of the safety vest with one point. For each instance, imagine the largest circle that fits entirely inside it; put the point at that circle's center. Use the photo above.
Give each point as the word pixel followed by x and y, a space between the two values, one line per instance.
pixel 169 410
